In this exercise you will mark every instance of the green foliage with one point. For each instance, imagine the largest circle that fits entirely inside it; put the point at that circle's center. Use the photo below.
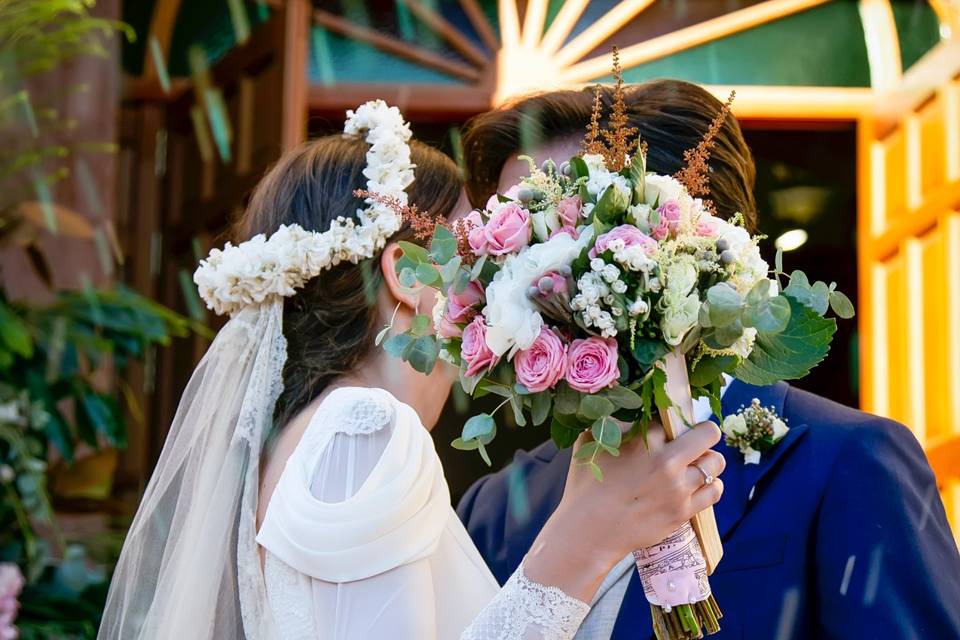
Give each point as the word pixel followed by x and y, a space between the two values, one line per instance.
pixel 790 354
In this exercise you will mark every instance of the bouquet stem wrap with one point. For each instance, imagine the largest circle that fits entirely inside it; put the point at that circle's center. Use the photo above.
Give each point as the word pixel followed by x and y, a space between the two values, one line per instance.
pixel 674 572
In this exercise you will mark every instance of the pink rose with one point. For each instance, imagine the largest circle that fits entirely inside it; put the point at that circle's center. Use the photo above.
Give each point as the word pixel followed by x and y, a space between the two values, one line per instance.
pixel 592 364
pixel 570 231
pixel 669 219
pixel 630 235
pixel 11 583
pixel 474 349
pixel 493 202
pixel 508 230
pixel 706 226
pixel 460 309
pixel 543 364
pixel 475 237
pixel 569 211
pixel 551 282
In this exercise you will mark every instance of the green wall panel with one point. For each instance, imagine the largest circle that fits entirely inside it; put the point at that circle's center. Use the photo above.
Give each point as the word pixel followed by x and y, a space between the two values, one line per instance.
pixel 917 27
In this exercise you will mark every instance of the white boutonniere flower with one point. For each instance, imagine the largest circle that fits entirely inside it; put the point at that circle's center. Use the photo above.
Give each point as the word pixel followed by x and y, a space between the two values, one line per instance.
pixel 753 430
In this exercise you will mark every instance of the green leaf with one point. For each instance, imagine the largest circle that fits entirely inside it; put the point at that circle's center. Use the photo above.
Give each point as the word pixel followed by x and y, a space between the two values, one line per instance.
pixel 516 403
pixel 778 261
pixel 479 427
pixel 477 268
pixel 596 471
pixel 637 174
pixel 450 271
pixel 422 354
pixel 709 368
pixel 397 344
pixel 646 352
pixel 408 277
pixel 724 304
pixel 540 407
pixel 767 315
pixel 588 450
pixel 414 252
pixel 578 168
pixel 484 454
pixel 427 274
pixel 841 305
pixel 420 324
pixel 443 246
pixel 465 445
pixel 726 335
pixel 593 407
pixel 610 206
pixel 14 333
pixel 520 390
pixel 660 397
pixel 816 296
pixel 790 354
pixel 607 433
pixel 461 281
pixel 564 430
pixel 624 398
pixel 568 400
pixel 383 334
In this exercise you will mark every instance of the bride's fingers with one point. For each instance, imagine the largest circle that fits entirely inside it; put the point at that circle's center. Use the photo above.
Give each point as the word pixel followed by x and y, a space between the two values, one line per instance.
pixel 711 464
pixel 694 442
pixel 706 496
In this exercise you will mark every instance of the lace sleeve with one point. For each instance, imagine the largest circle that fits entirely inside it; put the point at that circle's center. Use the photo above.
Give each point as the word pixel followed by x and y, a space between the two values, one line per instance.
pixel 526 610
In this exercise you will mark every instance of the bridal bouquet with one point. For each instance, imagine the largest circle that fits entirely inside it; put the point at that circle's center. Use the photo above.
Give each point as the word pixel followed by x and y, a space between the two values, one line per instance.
pixel 578 293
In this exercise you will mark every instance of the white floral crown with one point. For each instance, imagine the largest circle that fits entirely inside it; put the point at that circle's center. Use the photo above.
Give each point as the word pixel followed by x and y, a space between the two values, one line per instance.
pixel 254 271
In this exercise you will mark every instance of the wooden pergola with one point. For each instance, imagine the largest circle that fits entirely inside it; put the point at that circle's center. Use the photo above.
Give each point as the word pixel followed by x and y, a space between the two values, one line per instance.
pixel 903 100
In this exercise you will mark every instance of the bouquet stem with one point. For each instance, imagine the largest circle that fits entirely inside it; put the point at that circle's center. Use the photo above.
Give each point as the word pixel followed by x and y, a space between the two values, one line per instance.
pixel 686 621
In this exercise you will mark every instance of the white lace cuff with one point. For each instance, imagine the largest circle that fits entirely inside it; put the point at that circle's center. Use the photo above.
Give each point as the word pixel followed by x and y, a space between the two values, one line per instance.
pixel 526 610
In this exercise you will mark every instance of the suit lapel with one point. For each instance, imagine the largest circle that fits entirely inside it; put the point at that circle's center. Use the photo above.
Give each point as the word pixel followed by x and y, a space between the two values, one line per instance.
pixel 739 480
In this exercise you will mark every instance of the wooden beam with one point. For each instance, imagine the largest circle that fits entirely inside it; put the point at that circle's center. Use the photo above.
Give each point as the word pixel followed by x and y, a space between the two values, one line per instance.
pixel 509 16
pixel 883 43
pixel 161 29
pixel 447 31
pixel 479 21
pixel 689 37
pixel 562 25
pixel 296 28
pixel 920 221
pixel 438 101
pixel 594 35
pixel 395 46
pixel 944 457
pixel 948 13
pixel 533 21
pixel 937 68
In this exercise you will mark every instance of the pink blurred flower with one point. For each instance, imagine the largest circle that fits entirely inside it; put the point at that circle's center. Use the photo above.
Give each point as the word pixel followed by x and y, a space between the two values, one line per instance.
pixel 493 202
pixel 706 226
pixel 461 308
pixel 542 365
pixel 669 219
pixel 508 230
pixel 592 364
pixel 567 229
pixel 11 583
pixel 569 211
pixel 552 282
pixel 630 235
pixel 475 236
pixel 474 349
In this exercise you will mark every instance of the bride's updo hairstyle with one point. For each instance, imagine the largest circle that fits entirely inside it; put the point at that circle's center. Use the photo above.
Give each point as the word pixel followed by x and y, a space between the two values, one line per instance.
pixel 331 324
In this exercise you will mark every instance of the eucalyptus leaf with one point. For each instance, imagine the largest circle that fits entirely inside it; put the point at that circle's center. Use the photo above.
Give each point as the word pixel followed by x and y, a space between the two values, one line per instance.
pixel 588 450
pixel 484 454
pixel 381 335
pixel 422 354
pixel 607 433
pixel 778 261
pixel 624 398
pixel 465 445
pixel 593 407
pixel 841 305
pixel 397 344
pixel 540 407
pixel 568 400
pixel 564 430
pixel 477 268
pixel 414 252
pixel 479 427
pixel 427 274
pixel 767 315
pixel 443 246
pixel 516 403
pixel 420 324
pixel 646 351
pixel 450 271
pixel 728 334
pixel 408 277
pixel 724 304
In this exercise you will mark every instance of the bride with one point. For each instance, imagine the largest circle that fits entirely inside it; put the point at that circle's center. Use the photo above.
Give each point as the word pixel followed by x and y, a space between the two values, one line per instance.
pixel 299 494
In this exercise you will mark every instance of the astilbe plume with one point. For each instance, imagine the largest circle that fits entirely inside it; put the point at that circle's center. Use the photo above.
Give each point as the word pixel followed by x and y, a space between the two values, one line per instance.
pixel 695 176
pixel 618 140
pixel 422 222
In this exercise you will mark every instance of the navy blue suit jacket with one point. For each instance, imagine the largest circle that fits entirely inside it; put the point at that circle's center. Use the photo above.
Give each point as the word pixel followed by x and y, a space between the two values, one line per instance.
pixel 838 532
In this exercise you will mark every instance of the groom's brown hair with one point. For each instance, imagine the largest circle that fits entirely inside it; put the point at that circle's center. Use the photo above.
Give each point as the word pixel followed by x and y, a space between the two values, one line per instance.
pixel 671 115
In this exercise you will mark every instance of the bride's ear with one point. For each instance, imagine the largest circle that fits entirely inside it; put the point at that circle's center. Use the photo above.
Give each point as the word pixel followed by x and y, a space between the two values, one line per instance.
pixel 407 296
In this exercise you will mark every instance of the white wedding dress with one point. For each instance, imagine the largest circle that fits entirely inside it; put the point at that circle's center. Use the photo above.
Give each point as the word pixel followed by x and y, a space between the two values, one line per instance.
pixel 361 541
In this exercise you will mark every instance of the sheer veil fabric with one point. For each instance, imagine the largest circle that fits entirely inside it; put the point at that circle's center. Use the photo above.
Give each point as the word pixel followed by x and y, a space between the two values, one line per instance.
pixel 189 567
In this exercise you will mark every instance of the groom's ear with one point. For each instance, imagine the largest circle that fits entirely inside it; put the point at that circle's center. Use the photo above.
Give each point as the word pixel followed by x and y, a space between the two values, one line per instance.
pixel 408 296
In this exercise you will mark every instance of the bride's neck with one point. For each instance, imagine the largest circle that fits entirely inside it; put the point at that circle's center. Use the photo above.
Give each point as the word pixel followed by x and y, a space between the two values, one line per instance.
pixel 425 393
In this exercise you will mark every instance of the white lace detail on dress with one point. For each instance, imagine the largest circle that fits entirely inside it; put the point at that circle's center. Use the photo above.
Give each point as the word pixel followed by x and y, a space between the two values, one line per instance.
pixel 291 602
pixel 526 610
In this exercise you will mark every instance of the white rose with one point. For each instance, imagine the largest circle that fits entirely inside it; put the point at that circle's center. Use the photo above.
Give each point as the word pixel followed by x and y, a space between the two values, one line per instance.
pixel 681 276
pixel 744 344
pixel 679 316
pixel 658 189
pixel 779 428
pixel 734 425
pixel 639 216
pixel 513 321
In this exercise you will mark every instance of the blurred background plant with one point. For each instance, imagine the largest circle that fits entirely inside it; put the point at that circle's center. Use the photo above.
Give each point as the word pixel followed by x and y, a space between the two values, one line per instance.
pixel 63 353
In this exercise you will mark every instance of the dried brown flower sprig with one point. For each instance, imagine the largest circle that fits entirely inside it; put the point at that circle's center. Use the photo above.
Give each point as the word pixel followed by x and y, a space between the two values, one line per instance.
pixel 618 140
pixel 422 222
pixel 695 176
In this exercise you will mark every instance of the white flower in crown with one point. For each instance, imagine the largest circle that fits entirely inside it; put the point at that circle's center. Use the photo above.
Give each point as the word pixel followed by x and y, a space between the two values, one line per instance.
pixel 262 268
pixel 753 430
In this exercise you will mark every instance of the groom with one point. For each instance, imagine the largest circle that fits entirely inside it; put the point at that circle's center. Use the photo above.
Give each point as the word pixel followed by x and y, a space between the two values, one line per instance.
pixel 838 532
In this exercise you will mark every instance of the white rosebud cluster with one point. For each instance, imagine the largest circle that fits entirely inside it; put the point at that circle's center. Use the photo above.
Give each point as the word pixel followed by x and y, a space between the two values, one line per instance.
pixel 254 271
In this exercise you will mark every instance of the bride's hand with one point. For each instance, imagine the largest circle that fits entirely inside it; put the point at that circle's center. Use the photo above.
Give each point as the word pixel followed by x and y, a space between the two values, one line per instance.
pixel 647 493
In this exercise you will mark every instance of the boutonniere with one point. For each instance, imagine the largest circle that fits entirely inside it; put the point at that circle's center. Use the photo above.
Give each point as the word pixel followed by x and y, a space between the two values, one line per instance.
pixel 753 430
